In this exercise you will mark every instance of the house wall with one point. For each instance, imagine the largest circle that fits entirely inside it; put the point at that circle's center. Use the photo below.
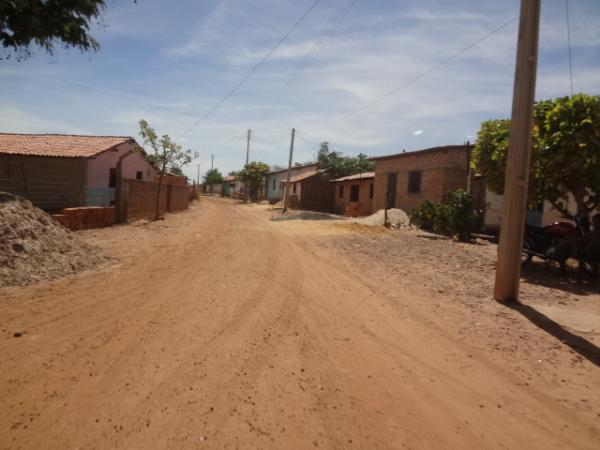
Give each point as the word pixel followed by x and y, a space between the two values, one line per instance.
pixel 139 199
pixel 98 191
pixel 365 201
pixel 442 171
pixel 317 193
pixel 50 183
pixel 549 215
pixel 277 192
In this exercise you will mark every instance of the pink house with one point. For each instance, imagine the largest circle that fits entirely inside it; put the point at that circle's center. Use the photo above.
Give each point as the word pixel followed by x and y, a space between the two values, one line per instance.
pixel 56 171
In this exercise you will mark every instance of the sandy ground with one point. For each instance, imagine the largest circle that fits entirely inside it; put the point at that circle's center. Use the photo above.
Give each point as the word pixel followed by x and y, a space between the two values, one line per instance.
pixel 219 328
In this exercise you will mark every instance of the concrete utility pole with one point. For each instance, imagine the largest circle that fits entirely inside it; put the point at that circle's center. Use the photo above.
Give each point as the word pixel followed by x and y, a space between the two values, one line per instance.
pixel 286 200
pixel 514 205
pixel 198 176
pixel 212 161
pixel 249 134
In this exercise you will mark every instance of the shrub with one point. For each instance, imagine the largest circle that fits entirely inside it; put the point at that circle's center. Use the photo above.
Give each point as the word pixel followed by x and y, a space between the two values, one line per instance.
pixel 455 217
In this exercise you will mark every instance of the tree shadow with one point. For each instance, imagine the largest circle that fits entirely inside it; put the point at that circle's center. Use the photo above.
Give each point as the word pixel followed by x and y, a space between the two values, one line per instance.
pixel 580 345
pixel 539 273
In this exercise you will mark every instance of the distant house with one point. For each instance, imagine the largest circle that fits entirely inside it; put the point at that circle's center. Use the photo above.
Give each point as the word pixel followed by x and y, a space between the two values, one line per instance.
pixel 354 194
pixel 311 191
pixel 232 186
pixel 56 171
pixel 276 178
pixel 408 179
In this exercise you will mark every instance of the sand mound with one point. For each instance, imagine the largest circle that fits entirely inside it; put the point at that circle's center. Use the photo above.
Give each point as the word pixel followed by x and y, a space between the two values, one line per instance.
pixel 34 247
pixel 306 215
pixel 397 218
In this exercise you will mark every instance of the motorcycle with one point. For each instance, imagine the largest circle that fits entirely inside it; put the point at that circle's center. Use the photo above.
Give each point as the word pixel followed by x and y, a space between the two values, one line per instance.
pixel 542 241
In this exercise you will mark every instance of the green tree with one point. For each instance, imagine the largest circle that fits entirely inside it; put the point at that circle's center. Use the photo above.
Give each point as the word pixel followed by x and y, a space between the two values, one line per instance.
pixel 253 176
pixel 339 165
pixel 212 177
pixel 565 154
pixel 46 23
pixel 166 154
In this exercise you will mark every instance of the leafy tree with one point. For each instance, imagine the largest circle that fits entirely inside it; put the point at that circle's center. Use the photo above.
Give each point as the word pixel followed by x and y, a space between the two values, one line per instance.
pixel 233 173
pixel 565 153
pixel 253 175
pixel 175 170
pixel 212 177
pixel 48 22
pixel 339 165
pixel 166 154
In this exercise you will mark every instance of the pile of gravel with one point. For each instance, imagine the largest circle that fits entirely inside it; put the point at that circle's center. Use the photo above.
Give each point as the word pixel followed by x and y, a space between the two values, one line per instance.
pixel 306 215
pixel 397 218
pixel 34 247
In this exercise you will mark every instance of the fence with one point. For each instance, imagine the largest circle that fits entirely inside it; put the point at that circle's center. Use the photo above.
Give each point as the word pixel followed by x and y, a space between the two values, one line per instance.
pixel 138 199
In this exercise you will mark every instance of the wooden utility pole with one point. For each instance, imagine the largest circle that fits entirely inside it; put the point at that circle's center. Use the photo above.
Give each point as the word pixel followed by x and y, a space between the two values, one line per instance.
pixel 514 205
pixel 286 200
pixel 249 133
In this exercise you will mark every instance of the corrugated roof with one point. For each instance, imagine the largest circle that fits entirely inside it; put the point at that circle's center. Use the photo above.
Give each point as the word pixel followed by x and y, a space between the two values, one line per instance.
pixel 358 176
pixel 301 177
pixel 419 152
pixel 58 145
pixel 293 167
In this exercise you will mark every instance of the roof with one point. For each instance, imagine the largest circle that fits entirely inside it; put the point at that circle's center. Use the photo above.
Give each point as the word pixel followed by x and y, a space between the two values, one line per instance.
pixel 358 176
pixel 422 151
pixel 230 178
pixel 293 167
pixel 302 176
pixel 58 145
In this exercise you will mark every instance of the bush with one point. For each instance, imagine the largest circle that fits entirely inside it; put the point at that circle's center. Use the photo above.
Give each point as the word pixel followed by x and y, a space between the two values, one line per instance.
pixel 455 217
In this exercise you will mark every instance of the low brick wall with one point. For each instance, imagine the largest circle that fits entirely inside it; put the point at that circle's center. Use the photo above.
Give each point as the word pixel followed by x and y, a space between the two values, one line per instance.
pixel 139 199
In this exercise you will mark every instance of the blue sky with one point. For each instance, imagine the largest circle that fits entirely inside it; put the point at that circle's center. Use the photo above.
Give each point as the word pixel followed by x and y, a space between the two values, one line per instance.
pixel 171 62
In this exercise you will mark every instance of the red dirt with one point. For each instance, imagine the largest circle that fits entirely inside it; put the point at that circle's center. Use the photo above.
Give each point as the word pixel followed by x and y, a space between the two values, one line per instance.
pixel 222 329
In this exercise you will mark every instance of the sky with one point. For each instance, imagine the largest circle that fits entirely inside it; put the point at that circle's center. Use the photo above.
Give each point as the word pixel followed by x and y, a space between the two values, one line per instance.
pixel 172 62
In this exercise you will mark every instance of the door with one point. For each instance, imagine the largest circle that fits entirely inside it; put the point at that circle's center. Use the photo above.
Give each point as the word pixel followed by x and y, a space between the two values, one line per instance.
pixel 354 192
pixel 391 189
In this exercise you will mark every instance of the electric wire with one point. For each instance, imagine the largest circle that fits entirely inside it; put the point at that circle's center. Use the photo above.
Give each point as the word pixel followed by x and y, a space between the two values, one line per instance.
pixel 254 69
pixel 423 74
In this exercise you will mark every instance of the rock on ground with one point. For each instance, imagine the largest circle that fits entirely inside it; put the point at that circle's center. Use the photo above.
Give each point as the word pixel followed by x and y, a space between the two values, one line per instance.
pixel 34 247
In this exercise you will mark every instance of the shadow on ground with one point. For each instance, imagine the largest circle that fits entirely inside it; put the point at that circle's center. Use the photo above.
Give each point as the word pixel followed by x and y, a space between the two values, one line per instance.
pixel 582 346
pixel 537 272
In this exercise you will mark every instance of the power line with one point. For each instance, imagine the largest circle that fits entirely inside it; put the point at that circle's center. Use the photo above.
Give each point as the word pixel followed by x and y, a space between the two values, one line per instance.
pixel 569 41
pixel 311 59
pixel 418 77
pixel 254 69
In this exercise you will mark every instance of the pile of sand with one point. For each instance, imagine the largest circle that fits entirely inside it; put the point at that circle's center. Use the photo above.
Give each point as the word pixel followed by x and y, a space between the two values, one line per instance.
pixel 396 217
pixel 34 247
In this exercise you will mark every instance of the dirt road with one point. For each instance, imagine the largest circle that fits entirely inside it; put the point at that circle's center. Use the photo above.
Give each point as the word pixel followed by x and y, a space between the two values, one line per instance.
pixel 218 328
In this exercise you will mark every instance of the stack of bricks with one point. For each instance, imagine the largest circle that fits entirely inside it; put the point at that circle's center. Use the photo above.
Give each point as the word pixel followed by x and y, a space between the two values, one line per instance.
pixel 86 217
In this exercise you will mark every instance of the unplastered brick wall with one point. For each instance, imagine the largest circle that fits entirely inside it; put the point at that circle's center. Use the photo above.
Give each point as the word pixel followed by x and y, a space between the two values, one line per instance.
pixel 442 169
pixel 177 197
pixel 139 199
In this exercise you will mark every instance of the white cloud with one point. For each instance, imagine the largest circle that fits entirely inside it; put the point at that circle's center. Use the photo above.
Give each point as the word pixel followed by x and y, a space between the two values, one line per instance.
pixel 417 132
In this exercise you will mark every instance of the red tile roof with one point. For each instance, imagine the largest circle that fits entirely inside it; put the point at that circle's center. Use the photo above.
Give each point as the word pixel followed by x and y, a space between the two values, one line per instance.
pixel 301 177
pixel 58 145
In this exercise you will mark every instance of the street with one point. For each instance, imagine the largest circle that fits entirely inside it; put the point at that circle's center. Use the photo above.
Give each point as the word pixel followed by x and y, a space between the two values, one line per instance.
pixel 219 328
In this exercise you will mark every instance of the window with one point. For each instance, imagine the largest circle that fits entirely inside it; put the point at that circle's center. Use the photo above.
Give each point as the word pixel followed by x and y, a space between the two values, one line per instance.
pixel 112 177
pixel 341 194
pixel 139 175
pixel 294 188
pixel 354 189
pixel 414 182
pixel 274 181
pixel 371 190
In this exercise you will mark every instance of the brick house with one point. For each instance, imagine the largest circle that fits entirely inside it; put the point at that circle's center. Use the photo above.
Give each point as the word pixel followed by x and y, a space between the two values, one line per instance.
pixel 57 171
pixel 411 178
pixel 311 191
pixel 354 192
